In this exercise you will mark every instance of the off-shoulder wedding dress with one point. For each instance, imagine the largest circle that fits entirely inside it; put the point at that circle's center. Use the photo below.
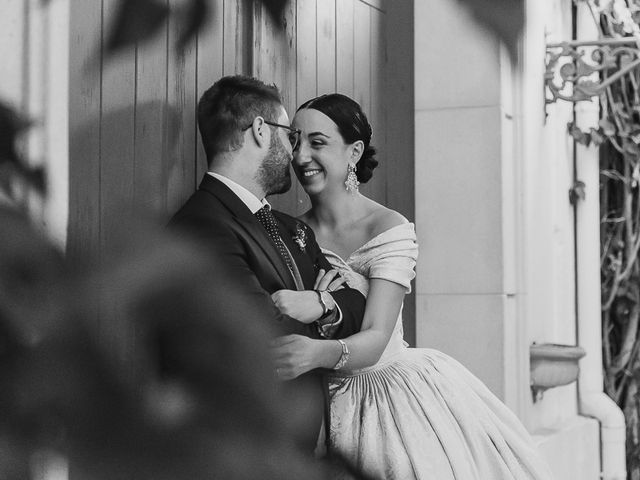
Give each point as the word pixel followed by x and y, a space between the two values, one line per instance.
pixel 417 413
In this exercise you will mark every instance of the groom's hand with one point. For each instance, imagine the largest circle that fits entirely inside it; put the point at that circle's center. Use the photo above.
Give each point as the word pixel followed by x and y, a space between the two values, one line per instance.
pixel 294 355
pixel 301 305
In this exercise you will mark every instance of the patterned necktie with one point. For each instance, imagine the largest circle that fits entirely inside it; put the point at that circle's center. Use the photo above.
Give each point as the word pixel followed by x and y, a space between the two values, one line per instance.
pixel 268 221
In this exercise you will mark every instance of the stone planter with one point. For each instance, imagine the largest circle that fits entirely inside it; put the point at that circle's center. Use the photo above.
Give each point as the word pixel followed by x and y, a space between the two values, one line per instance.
pixel 552 365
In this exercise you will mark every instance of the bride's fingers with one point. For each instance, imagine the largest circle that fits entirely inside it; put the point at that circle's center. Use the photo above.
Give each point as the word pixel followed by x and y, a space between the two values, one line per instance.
pixel 282 373
pixel 335 284
pixel 286 369
pixel 318 278
pixel 327 279
pixel 284 358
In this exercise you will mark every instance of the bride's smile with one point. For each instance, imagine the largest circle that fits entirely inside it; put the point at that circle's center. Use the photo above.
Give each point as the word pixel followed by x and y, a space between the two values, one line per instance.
pixel 321 159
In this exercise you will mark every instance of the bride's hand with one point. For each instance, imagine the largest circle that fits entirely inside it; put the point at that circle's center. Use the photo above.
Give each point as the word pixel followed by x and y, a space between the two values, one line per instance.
pixel 294 355
pixel 329 280
pixel 303 305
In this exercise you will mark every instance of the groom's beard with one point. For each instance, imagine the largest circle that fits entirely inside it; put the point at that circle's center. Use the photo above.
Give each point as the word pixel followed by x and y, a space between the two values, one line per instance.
pixel 274 175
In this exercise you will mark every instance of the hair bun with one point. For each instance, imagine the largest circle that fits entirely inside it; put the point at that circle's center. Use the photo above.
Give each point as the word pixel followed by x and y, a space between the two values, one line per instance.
pixel 366 165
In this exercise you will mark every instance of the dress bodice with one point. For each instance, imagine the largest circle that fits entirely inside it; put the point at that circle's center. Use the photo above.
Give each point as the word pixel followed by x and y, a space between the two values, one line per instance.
pixel 391 256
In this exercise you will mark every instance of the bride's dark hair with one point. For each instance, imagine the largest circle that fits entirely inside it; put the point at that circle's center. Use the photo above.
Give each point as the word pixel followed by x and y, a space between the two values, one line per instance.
pixel 352 124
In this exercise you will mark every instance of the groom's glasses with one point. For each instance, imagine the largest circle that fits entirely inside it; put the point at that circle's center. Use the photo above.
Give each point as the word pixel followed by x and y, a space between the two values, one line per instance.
pixel 294 133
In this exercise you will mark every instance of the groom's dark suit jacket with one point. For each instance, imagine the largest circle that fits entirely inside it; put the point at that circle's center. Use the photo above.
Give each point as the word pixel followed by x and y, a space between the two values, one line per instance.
pixel 216 216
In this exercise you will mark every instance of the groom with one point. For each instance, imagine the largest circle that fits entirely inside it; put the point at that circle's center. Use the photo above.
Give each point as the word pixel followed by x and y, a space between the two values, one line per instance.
pixel 248 142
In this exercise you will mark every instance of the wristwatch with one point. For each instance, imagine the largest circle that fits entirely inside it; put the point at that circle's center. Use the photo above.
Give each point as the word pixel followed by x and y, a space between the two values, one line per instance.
pixel 323 302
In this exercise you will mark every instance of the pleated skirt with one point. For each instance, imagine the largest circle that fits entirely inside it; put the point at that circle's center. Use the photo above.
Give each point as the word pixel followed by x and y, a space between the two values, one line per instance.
pixel 422 415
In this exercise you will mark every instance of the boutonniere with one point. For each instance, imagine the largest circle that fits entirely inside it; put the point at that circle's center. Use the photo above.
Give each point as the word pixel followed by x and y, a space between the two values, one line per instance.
pixel 300 237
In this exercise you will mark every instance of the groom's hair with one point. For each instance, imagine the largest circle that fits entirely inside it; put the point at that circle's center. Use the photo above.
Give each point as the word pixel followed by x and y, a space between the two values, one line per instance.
pixel 228 107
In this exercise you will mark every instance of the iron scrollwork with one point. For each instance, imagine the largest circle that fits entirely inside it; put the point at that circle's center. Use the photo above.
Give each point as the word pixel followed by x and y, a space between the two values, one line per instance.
pixel 575 74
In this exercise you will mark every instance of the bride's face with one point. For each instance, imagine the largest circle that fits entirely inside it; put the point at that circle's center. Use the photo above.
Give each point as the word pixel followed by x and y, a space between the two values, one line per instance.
pixel 321 158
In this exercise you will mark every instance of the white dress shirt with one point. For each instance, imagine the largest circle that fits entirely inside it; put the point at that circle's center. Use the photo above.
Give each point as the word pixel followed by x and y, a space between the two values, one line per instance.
pixel 249 199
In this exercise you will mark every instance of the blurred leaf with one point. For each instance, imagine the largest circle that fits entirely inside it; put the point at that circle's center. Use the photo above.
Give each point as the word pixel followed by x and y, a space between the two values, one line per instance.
pixel 630 147
pixel 578 135
pixel 577 192
pixel 635 175
pixel 135 21
pixel 275 8
pixel 195 398
pixel 596 137
pixel 608 127
pixel 635 135
pixel 620 110
pixel 503 17
pixel 195 15
pixel 11 124
pixel 619 29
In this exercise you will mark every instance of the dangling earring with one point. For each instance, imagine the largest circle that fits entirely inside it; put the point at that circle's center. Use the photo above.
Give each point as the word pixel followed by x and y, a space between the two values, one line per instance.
pixel 352 179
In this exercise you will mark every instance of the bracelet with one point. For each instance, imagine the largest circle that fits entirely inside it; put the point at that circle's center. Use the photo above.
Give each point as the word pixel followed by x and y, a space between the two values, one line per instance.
pixel 344 357
pixel 325 307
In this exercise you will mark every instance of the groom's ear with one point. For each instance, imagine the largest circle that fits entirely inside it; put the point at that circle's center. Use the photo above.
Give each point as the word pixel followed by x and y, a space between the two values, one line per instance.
pixel 259 132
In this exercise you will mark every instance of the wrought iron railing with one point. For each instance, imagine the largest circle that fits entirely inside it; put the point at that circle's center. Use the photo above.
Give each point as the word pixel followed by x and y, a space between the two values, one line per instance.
pixel 571 68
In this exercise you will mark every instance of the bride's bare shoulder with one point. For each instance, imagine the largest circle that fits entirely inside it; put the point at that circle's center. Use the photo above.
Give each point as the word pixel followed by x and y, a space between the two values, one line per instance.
pixel 383 219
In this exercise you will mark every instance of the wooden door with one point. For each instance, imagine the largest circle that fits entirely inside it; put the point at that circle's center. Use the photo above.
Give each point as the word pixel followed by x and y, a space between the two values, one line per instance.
pixel 134 145
pixel 327 46
pixel 133 139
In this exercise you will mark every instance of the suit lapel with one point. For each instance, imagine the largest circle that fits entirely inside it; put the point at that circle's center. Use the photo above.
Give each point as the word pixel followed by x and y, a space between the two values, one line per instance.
pixel 257 232
pixel 250 224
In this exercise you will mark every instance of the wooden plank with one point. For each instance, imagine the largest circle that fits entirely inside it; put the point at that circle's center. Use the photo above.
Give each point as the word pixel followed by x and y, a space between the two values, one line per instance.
pixel 288 87
pixel 84 129
pixel 362 71
pixel 362 55
pixel 295 198
pixel 306 63
pixel 237 36
pixel 274 62
pixel 326 46
pixel 117 136
pixel 181 98
pixel 210 54
pixel 306 71
pixel 210 58
pixel 400 128
pixel 344 47
pixel 229 36
pixel 151 147
pixel 117 178
pixel 274 52
pixel 265 55
pixel 377 106
pixel 400 121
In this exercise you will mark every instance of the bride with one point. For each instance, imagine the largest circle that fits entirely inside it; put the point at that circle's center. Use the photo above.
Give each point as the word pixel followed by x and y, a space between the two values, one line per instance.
pixel 395 412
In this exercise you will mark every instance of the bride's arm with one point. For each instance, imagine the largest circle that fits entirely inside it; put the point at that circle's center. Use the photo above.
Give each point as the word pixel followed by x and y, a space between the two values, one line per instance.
pixel 295 355
pixel 380 316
